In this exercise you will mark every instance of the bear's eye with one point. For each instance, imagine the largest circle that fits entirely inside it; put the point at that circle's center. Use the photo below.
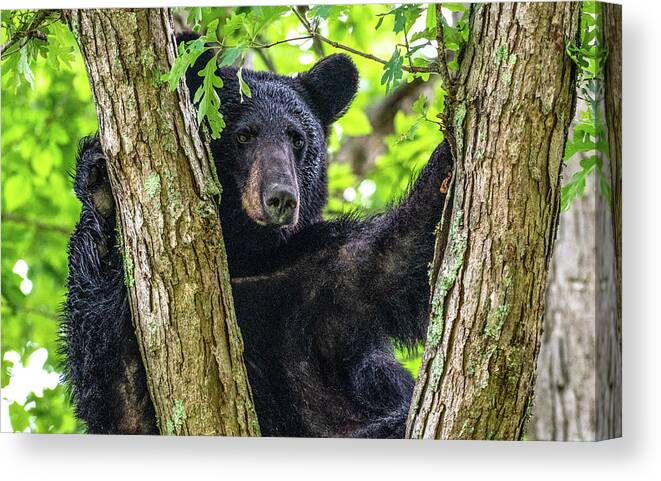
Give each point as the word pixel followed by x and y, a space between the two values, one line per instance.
pixel 243 137
pixel 298 142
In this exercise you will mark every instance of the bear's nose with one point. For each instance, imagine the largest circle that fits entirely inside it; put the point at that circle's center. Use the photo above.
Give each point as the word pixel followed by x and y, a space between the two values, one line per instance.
pixel 279 204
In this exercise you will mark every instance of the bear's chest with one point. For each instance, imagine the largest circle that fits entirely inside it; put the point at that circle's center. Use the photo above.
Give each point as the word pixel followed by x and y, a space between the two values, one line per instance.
pixel 294 352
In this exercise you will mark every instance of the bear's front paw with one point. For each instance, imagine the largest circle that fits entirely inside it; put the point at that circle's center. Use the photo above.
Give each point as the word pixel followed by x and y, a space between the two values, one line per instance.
pixel 91 182
pixel 441 158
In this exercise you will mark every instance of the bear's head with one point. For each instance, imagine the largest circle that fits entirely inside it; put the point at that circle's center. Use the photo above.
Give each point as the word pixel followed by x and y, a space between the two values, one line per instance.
pixel 271 155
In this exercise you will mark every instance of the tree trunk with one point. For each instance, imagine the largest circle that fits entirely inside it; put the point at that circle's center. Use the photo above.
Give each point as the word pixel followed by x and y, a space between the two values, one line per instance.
pixel 513 106
pixel 565 408
pixel 166 192
pixel 609 243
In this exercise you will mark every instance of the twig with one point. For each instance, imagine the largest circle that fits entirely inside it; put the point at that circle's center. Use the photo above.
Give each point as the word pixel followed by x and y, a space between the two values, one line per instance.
pixel 408 48
pixel 440 49
pixel 27 32
pixel 313 33
pixel 302 19
pixel 35 311
pixel 411 69
pixel 38 224
pixel 286 40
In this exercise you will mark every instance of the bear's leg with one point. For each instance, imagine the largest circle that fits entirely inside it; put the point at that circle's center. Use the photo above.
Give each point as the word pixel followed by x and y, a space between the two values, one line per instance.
pixel 384 388
pixel 103 364
pixel 390 426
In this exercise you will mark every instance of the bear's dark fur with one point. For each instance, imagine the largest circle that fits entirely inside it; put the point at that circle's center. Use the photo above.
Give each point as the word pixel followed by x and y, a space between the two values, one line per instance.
pixel 318 303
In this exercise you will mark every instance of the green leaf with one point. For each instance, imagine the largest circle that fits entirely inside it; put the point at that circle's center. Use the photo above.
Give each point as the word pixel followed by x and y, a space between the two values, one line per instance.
pixel 404 16
pixel 20 419
pixel 17 191
pixel 576 185
pixel 232 54
pixel 208 100
pixel 4 375
pixel 23 66
pixel 421 105
pixel 260 17
pixel 591 6
pixel 392 71
pixel 195 14
pixel 430 20
pixel 588 162
pixel 60 46
pixel 454 7
pixel 233 24
pixel 188 54
pixel 211 34
pixel 321 11
pixel 576 145
pixel 328 12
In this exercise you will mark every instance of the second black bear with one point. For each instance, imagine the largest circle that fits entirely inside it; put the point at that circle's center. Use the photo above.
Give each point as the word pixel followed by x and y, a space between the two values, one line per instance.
pixel 319 303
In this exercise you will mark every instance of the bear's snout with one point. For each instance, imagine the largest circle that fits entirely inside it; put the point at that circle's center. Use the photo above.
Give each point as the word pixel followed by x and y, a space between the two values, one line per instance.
pixel 270 194
pixel 280 205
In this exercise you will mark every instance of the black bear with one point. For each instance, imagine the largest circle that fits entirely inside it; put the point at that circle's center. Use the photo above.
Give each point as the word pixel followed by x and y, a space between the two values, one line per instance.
pixel 319 303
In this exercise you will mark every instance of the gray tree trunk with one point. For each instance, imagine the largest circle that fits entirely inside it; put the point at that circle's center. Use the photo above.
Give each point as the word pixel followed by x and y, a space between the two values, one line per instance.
pixel 564 408
pixel 166 194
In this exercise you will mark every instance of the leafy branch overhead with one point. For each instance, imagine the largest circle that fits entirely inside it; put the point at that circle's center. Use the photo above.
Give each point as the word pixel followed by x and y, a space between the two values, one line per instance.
pixel 232 35
pixel 29 34
pixel 428 44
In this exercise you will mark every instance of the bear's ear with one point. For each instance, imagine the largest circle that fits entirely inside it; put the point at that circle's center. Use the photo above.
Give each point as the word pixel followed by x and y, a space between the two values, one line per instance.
pixel 330 86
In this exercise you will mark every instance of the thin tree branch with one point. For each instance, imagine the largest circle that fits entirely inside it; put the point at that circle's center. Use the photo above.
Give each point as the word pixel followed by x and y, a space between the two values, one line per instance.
pixel 448 85
pixel 407 46
pixel 313 33
pixel 317 45
pixel 38 224
pixel 26 32
pixel 302 19
pixel 35 311
pixel 286 40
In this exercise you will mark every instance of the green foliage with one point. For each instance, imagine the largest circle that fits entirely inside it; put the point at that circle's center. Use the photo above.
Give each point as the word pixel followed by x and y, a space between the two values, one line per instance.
pixel 410 358
pixel 404 16
pixel 207 100
pixel 35 34
pixel 392 71
pixel 456 36
pixel 42 121
pixel 589 132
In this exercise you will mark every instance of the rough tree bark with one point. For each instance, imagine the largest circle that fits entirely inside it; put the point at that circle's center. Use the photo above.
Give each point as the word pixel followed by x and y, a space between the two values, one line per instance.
pixel 609 243
pixel 513 105
pixel 565 408
pixel 166 194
